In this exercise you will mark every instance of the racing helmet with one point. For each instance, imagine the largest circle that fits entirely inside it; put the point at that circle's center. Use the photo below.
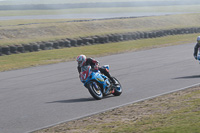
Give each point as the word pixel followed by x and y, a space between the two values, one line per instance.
pixel 81 59
pixel 198 39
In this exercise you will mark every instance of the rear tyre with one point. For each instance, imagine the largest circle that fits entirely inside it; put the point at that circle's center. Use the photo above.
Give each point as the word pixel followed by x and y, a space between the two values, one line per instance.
pixel 117 88
pixel 95 90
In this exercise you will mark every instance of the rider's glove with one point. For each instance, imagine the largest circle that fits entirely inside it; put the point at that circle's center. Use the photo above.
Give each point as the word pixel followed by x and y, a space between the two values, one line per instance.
pixel 96 67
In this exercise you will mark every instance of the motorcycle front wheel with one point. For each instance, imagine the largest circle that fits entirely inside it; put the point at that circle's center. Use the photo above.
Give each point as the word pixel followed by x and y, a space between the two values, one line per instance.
pixel 95 90
pixel 117 88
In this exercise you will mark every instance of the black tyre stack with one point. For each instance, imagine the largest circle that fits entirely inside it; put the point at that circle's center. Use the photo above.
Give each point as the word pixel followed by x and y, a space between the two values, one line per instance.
pixel 91 40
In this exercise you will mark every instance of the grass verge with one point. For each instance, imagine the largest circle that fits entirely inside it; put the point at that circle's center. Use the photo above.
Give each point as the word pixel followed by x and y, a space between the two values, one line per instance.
pixel 18 61
pixel 178 112
pixel 18 34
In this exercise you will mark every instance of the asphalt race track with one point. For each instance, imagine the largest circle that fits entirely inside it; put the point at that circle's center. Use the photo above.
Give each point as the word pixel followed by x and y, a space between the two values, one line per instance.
pixel 38 97
pixel 89 15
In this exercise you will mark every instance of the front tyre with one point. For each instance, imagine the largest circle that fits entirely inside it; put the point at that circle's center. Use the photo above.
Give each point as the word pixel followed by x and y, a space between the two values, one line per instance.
pixel 117 88
pixel 95 90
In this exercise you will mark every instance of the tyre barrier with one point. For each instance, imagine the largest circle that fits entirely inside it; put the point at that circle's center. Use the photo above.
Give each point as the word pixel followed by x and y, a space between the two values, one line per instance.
pixel 6 50
pixel 85 41
pixel 0 51
pixel 20 49
pixel 96 39
pixel 151 35
pixel 42 46
pixel 105 38
pixel 141 34
pixel 35 46
pixel 61 43
pixel 158 34
pixel 111 38
pixel 73 42
pixel 146 35
pixel 115 38
pixel 67 43
pixel 101 39
pixel 119 37
pixel 56 45
pixel 13 49
pixel 136 36
pixel 28 47
pixel 125 37
pixel 88 41
pixel 48 45
pixel 80 42
pixel 91 40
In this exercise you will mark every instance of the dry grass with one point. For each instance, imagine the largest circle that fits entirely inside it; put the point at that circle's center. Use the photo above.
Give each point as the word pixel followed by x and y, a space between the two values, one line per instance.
pixel 54 30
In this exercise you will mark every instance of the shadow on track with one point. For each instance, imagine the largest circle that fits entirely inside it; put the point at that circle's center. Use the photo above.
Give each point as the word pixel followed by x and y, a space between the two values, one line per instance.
pixel 188 77
pixel 74 100
pixel 78 100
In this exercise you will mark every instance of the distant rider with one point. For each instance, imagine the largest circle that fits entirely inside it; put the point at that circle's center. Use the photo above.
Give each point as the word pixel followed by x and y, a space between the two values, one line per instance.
pixel 83 61
pixel 197 48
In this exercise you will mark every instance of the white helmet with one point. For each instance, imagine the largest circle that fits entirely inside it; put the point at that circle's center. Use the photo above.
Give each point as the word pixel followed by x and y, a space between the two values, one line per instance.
pixel 81 59
pixel 198 39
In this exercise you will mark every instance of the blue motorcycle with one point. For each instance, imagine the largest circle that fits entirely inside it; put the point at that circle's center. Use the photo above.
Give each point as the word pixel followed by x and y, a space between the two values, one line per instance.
pixel 98 84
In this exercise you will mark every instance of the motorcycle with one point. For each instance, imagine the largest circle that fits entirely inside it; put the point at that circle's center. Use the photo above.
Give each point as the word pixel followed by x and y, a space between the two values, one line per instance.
pixel 98 84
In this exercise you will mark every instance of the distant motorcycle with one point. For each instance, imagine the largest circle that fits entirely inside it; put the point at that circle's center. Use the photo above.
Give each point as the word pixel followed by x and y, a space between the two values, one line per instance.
pixel 98 84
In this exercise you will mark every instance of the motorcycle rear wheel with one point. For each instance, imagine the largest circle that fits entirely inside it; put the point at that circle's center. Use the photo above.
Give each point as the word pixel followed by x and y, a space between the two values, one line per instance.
pixel 95 90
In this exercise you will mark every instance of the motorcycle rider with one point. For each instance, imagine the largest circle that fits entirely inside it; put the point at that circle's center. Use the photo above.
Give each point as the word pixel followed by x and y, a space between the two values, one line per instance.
pixel 83 61
pixel 197 48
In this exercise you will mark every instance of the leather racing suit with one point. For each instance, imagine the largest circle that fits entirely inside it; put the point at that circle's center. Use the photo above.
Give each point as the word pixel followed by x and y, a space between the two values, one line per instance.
pixel 93 63
pixel 196 49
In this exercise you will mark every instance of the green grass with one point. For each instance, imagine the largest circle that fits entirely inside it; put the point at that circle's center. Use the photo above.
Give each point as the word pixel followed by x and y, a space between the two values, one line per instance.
pixel 184 118
pixel 180 121
pixel 17 61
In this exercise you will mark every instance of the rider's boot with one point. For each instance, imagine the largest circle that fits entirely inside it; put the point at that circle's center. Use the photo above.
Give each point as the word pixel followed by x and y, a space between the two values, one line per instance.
pixel 113 81
pixel 106 73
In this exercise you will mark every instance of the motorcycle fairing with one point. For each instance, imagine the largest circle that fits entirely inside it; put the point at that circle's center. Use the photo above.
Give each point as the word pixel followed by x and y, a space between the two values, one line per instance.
pixel 88 75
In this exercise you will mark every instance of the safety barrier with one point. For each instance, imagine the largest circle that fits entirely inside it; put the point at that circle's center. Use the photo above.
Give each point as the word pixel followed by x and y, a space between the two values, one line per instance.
pixel 91 40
